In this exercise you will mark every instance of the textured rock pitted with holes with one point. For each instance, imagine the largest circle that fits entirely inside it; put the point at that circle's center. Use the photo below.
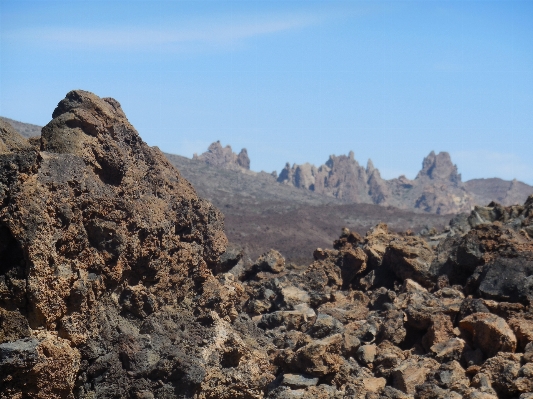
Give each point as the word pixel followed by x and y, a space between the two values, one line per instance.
pixel 106 287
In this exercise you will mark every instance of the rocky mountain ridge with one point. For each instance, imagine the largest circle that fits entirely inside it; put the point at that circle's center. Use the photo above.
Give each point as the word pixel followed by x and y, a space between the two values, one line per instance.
pixel 116 282
pixel 437 188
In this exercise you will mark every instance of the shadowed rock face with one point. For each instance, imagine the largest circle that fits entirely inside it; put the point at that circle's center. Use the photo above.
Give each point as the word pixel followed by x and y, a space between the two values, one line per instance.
pixel 105 257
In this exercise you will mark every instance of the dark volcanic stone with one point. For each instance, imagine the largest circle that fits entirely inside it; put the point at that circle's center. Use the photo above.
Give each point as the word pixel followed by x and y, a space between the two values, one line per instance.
pixel 508 279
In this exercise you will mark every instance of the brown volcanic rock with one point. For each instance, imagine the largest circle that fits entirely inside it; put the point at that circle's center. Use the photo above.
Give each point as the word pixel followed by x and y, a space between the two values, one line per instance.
pixel 375 324
pixel 490 333
pixel 105 255
pixel 112 285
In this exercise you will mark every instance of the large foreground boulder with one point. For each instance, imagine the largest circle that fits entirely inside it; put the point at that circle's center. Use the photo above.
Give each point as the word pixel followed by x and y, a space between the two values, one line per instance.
pixel 106 253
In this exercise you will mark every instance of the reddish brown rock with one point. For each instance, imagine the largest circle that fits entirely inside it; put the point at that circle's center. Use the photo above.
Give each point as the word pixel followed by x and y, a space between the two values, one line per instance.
pixel 109 254
pixel 523 329
pixel 411 373
pixel 320 357
pixel 503 371
pixel 490 333
pixel 441 331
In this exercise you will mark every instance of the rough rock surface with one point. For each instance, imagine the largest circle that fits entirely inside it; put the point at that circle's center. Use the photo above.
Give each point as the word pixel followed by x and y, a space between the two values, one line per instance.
pixel 399 317
pixel 219 156
pixel 106 253
pixel 115 282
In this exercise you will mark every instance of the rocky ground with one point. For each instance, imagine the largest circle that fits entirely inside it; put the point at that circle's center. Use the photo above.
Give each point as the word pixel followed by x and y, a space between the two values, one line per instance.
pixel 116 282
pixel 397 316
pixel 261 214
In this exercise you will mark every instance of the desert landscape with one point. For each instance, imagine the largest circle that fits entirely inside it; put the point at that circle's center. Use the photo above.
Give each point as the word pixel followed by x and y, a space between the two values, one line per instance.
pixel 260 199
pixel 264 211
pixel 117 281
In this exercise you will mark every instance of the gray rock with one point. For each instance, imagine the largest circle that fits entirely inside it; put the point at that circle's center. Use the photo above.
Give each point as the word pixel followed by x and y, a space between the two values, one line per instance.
pixel 296 319
pixel 19 354
pixel 508 279
pixel 325 325
pixel 272 262
pixel 224 157
pixel 298 381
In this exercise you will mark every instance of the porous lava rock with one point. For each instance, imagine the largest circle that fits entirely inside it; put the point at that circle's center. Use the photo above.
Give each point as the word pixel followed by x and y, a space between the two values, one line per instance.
pixel 390 315
pixel 106 288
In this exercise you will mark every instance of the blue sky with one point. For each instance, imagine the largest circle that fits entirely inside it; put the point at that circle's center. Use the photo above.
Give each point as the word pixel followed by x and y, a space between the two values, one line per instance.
pixel 291 81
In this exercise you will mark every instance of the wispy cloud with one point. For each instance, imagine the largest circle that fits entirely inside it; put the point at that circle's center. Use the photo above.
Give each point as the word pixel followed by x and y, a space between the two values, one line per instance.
pixel 484 164
pixel 224 32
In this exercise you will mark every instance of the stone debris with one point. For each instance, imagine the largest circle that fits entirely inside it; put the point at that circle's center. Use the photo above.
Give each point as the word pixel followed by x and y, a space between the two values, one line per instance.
pixel 116 281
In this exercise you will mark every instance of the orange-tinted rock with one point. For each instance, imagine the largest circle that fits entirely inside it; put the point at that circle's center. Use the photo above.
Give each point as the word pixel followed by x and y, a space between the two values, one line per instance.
pixel 523 330
pixel 109 254
pixel 490 333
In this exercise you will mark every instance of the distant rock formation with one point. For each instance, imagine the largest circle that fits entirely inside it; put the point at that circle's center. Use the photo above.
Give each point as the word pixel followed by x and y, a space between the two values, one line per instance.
pixel 219 156
pixel 436 189
pixel 439 167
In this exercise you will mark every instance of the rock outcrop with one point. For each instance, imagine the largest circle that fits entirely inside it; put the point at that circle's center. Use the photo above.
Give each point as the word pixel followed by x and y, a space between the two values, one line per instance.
pixel 106 288
pixel 116 282
pixel 436 189
pixel 224 157
pixel 388 315
pixel 341 177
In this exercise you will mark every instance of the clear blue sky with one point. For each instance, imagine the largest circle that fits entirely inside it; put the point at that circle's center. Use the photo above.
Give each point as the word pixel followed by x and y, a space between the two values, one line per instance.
pixel 290 80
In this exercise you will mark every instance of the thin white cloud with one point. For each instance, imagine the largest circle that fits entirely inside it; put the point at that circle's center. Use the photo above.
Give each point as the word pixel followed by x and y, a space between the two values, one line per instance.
pixel 484 164
pixel 212 33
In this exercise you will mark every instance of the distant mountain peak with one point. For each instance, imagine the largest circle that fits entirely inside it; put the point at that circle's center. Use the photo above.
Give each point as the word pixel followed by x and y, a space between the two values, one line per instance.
pixel 370 167
pixel 439 167
pixel 436 189
pixel 216 155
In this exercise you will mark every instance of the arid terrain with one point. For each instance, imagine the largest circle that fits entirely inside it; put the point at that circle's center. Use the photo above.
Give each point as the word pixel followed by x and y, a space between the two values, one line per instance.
pixel 116 281
pixel 263 211
pixel 261 214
